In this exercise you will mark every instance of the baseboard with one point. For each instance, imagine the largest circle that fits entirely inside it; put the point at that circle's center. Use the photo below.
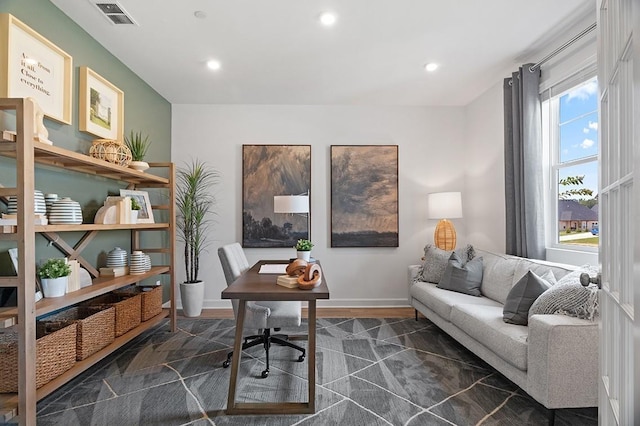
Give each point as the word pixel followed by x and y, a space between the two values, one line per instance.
pixel 331 303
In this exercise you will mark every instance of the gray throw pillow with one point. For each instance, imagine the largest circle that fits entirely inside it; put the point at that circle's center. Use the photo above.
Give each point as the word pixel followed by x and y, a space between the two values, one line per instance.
pixel 569 297
pixel 435 261
pixel 521 297
pixel 462 277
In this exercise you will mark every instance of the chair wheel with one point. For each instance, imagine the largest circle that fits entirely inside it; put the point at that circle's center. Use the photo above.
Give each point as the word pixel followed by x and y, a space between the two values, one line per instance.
pixel 226 364
pixel 264 374
pixel 301 358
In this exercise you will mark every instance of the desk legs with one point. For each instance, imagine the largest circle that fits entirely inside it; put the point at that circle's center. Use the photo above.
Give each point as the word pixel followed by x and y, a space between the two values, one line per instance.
pixel 275 407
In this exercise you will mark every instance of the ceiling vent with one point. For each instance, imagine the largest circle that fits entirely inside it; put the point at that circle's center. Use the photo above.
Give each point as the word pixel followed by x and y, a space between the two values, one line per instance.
pixel 115 13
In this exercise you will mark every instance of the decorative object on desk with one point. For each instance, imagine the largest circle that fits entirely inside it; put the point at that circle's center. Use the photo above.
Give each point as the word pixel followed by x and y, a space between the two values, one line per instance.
pixel 145 214
pixel 135 209
pixel 311 278
pixel 268 172
pixel 26 51
pixel 303 248
pixel 195 203
pixel 138 147
pixel 101 107
pixel 444 206
pixel 296 267
pixel 111 151
pixel 65 211
pixel 116 258
pixel 54 274
pixel 364 196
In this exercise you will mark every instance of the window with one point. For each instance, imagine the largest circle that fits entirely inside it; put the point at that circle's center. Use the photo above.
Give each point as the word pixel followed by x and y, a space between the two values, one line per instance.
pixel 570 127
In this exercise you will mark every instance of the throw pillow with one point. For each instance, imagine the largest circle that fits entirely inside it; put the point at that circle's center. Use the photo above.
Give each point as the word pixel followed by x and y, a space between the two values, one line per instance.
pixel 521 297
pixel 462 277
pixel 435 261
pixel 569 297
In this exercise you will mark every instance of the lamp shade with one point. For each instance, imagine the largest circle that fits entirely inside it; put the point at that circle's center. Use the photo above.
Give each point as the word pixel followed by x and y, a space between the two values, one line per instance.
pixel 444 205
pixel 291 204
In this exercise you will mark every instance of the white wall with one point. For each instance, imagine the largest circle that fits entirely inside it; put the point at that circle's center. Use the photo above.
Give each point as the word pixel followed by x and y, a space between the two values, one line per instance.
pixel 433 153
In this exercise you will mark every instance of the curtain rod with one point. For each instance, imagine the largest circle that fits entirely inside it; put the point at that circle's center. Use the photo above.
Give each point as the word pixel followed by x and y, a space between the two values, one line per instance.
pixel 564 46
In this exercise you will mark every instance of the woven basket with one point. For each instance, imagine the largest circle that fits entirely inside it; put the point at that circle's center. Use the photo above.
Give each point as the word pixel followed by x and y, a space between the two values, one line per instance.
pixel 55 354
pixel 96 327
pixel 127 310
pixel 151 300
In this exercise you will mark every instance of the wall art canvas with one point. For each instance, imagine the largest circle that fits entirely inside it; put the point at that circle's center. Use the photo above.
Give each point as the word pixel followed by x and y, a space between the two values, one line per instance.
pixel 364 196
pixel 267 171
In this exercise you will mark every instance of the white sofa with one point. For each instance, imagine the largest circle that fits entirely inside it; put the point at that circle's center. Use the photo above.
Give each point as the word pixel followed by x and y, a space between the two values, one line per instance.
pixel 554 359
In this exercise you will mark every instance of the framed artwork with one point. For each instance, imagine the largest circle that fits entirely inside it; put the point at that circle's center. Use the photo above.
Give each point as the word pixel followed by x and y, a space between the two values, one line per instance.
pixel 32 66
pixel 145 214
pixel 364 196
pixel 101 106
pixel 268 171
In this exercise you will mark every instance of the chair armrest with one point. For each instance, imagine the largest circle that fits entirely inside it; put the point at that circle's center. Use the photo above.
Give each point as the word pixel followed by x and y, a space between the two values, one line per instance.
pixel 563 361
pixel 256 316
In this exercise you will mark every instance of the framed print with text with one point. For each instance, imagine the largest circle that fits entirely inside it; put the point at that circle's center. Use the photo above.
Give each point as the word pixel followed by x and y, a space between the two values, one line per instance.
pixel 101 106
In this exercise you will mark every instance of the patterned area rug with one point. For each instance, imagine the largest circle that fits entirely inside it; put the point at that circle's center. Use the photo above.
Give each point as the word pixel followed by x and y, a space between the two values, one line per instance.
pixel 369 372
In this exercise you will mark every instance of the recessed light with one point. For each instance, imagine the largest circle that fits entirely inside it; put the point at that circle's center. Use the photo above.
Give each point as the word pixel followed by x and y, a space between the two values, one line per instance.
pixel 214 65
pixel 328 19
pixel 431 67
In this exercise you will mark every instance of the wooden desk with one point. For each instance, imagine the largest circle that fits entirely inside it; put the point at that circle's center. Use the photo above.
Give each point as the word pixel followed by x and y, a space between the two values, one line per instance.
pixel 252 286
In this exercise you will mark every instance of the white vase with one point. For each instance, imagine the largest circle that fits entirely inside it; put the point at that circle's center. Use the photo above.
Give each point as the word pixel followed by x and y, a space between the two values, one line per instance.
pixel 134 216
pixel 54 287
pixel 304 255
pixel 140 166
pixel 192 296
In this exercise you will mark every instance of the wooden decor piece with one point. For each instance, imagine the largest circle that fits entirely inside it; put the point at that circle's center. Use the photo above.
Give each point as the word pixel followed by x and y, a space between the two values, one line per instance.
pixel 444 236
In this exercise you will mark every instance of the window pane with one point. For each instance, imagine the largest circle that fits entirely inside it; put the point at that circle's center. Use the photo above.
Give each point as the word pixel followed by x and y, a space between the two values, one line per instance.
pixel 579 122
pixel 578 204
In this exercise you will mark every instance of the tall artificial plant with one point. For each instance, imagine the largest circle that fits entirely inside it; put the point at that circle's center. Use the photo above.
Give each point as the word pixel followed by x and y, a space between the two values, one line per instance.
pixel 195 203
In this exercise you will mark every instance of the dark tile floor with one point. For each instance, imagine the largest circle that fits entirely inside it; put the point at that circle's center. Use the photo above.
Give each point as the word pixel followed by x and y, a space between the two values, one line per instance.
pixel 369 371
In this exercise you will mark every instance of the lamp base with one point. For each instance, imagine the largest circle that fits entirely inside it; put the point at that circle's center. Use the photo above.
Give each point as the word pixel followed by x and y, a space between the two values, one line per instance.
pixel 445 235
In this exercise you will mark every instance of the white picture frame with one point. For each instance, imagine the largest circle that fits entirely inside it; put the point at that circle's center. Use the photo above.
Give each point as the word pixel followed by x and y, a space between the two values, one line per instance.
pixel 145 214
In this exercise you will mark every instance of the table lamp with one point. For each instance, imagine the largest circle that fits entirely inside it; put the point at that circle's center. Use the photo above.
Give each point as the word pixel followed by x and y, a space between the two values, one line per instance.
pixel 444 206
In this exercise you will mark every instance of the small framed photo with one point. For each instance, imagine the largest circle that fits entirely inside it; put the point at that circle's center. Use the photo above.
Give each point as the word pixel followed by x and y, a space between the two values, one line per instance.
pixel 101 106
pixel 145 215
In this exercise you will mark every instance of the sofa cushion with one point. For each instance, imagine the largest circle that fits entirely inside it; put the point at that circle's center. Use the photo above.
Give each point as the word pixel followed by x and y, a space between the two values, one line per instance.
pixel 540 267
pixel 484 323
pixel 462 277
pixel 435 261
pixel 440 301
pixel 497 276
pixel 522 296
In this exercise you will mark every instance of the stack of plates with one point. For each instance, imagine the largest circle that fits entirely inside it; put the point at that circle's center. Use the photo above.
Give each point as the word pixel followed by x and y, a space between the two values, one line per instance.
pixel 116 258
pixel 65 211
pixel 138 263
pixel 40 207
pixel 49 199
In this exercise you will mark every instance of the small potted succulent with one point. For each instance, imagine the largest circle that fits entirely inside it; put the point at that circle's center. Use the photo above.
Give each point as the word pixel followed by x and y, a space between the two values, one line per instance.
pixel 138 145
pixel 303 248
pixel 54 276
pixel 135 209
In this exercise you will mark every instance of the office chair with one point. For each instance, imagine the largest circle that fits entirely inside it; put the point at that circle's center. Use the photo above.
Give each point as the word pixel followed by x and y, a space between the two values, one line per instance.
pixel 263 315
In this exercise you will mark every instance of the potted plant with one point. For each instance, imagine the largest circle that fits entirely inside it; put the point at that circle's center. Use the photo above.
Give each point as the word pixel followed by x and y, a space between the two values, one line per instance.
pixel 194 203
pixel 135 209
pixel 303 248
pixel 138 147
pixel 54 276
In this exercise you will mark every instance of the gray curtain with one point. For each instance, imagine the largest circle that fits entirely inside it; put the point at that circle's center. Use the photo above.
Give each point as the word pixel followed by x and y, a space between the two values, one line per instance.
pixel 523 164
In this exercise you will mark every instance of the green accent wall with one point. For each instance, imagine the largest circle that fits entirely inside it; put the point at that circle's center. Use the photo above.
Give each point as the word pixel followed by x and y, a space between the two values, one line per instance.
pixel 144 110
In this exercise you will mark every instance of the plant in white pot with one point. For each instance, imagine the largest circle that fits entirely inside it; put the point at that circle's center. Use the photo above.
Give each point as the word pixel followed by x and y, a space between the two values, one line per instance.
pixel 138 147
pixel 135 209
pixel 54 276
pixel 303 248
pixel 194 203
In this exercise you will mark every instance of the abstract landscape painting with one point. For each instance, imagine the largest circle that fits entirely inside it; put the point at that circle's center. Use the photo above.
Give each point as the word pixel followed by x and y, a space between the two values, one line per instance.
pixel 269 170
pixel 364 196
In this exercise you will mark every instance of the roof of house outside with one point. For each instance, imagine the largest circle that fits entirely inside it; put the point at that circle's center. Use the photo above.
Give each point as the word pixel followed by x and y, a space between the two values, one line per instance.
pixel 573 210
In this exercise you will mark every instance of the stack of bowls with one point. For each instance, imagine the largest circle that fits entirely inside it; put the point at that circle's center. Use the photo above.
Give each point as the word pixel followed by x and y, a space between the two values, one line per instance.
pixel 138 263
pixel 65 211
pixel 49 199
pixel 40 206
pixel 116 258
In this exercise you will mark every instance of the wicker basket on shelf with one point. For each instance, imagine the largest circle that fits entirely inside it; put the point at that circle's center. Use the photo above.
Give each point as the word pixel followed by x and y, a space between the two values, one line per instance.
pixel 55 354
pixel 112 151
pixel 96 327
pixel 127 310
pixel 151 304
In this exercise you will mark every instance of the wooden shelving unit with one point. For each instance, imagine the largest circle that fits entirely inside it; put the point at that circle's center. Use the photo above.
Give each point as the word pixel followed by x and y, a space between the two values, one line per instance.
pixel 29 154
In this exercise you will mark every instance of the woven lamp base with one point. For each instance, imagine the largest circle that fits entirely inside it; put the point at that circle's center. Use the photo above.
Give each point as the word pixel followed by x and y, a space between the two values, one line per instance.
pixel 445 235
